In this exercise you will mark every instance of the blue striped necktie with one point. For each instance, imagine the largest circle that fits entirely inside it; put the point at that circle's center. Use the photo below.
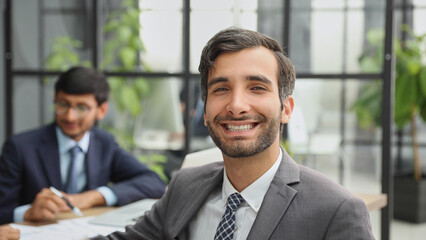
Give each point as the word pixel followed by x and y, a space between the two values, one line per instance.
pixel 226 228
pixel 72 177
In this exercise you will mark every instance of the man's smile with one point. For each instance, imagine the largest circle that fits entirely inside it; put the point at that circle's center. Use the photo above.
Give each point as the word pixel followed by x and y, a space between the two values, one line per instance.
pixel 239 128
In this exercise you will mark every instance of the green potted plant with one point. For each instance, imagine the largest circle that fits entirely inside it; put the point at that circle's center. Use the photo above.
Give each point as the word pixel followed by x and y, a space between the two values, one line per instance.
pixel 409 105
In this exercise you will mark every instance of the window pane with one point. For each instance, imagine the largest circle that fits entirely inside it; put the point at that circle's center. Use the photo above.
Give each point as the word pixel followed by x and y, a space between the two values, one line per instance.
pixel 54 28
pixel 145 37
pixel 354 38
pixel 221 5
pixel 25 49
pixel 270 19
pixel 32 103
pixel 300 40
pixel 316 122
pixel 200 137
pixel 159 126
pixel 337 47
pixel 202 29
pixel 62 4
pixel 322 106
pixel 419 3
pixel 327 43
pixel 66 44
pixel 161 4
pixel 419 19
pixel 328 4
pixel 360 127
pixel 230 13
pixel 163 47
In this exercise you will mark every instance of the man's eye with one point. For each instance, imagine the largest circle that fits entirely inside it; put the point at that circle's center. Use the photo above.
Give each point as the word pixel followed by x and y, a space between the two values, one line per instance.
pixel 63 104
pixel 221 89
pixel 82 108
pixel 258 88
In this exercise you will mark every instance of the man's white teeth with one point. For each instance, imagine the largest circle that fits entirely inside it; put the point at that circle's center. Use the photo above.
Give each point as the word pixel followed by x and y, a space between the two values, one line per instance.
pixel 239 128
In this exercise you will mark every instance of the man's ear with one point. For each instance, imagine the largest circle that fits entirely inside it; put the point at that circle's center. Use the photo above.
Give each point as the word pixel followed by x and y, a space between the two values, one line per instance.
pixel 288 109
pixel 102 111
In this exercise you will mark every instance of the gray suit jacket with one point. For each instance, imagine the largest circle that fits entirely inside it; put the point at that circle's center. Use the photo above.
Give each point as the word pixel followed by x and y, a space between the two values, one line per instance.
pixel 299 204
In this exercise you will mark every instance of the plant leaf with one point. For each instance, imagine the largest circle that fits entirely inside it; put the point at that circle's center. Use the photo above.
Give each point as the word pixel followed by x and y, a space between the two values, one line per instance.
pixel 368 106
pixel 375 36
pixel 131 100
pixel 111 25
pixel 423 110
pixel 136 43
pixel 128 57
pixel 414 66
pixel 124 33
pixel 422 79
pixel 142 87
pixel 405 97
pixel 369 65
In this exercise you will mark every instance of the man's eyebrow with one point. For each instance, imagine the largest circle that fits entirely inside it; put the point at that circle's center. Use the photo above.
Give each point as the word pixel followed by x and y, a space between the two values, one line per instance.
pixel 214 81
pixel 259 78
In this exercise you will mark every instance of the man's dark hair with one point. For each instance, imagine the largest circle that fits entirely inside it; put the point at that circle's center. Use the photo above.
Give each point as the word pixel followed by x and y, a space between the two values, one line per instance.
pixel 236 39
pixel 83 80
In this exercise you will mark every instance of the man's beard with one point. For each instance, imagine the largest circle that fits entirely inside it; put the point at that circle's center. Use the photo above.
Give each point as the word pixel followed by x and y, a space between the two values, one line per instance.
pixel 238 148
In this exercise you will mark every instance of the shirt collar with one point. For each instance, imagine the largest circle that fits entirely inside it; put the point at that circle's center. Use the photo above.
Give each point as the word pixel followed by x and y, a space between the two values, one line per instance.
pixel 255 192
pixel 65 143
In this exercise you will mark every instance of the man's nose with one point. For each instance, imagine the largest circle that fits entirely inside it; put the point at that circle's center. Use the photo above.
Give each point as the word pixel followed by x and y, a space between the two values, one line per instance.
pixel 238 104
pixel 71 114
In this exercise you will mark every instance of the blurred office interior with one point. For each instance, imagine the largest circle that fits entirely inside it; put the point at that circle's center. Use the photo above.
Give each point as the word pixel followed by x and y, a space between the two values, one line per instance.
pixel 150 49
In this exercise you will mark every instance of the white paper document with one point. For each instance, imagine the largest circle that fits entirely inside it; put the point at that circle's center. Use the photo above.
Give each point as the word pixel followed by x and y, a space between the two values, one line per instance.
pixel 71 229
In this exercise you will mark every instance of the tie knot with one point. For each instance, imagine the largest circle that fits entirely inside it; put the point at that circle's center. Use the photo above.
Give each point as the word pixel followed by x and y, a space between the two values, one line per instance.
pixel 74 150
pixel 234 201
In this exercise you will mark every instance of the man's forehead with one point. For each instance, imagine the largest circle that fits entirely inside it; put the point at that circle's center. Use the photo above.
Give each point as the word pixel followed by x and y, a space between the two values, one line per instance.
pixel 85 97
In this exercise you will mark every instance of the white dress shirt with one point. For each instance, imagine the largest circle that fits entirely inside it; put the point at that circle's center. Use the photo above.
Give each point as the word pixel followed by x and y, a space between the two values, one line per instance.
pixel 205 223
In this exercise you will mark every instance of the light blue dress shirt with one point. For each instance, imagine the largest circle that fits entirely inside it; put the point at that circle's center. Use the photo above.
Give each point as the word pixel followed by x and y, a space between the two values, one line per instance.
pixel 65 144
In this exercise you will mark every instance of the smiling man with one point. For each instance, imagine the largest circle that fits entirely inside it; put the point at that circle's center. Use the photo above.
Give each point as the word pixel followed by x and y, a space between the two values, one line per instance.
pixel 71 155
pixel 258 191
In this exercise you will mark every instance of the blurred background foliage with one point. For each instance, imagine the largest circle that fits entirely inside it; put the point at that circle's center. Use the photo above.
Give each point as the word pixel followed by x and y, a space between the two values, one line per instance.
pixel 410 84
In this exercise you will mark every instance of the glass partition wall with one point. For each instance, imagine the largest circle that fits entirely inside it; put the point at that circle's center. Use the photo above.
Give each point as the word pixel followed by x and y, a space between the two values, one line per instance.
pixel 150 51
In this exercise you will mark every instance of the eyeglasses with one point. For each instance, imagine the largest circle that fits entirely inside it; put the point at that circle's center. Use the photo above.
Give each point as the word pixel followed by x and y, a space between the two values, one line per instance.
pixel 80 110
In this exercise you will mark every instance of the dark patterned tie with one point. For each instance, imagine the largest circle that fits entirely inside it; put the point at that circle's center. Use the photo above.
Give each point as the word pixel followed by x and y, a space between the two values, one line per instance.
pixel 225 230
pixel 72 177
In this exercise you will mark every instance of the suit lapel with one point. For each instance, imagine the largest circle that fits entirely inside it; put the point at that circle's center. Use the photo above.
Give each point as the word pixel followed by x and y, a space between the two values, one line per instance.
pixel 92 163
pixel 48 154
pixel 277 199
pixel 197 192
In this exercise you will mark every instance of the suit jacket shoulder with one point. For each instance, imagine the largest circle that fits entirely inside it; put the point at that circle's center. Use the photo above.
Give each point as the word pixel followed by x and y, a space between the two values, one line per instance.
pixel 102 135
pixel 304 204
pixel 35 136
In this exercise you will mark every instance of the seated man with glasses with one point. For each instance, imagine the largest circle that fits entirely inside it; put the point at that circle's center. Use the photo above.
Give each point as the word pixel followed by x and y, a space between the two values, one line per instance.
pixel 71 155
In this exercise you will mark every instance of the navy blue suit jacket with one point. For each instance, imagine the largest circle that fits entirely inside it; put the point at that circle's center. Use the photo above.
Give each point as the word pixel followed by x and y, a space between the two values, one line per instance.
pixel 30 162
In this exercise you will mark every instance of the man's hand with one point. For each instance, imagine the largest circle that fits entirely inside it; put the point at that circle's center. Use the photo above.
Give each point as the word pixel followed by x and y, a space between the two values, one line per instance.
pixel 87 199
pixel 9 233
pixel 45 206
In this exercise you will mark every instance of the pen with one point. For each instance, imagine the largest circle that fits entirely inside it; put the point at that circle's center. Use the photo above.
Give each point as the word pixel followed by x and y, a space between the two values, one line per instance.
pixel 76 210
